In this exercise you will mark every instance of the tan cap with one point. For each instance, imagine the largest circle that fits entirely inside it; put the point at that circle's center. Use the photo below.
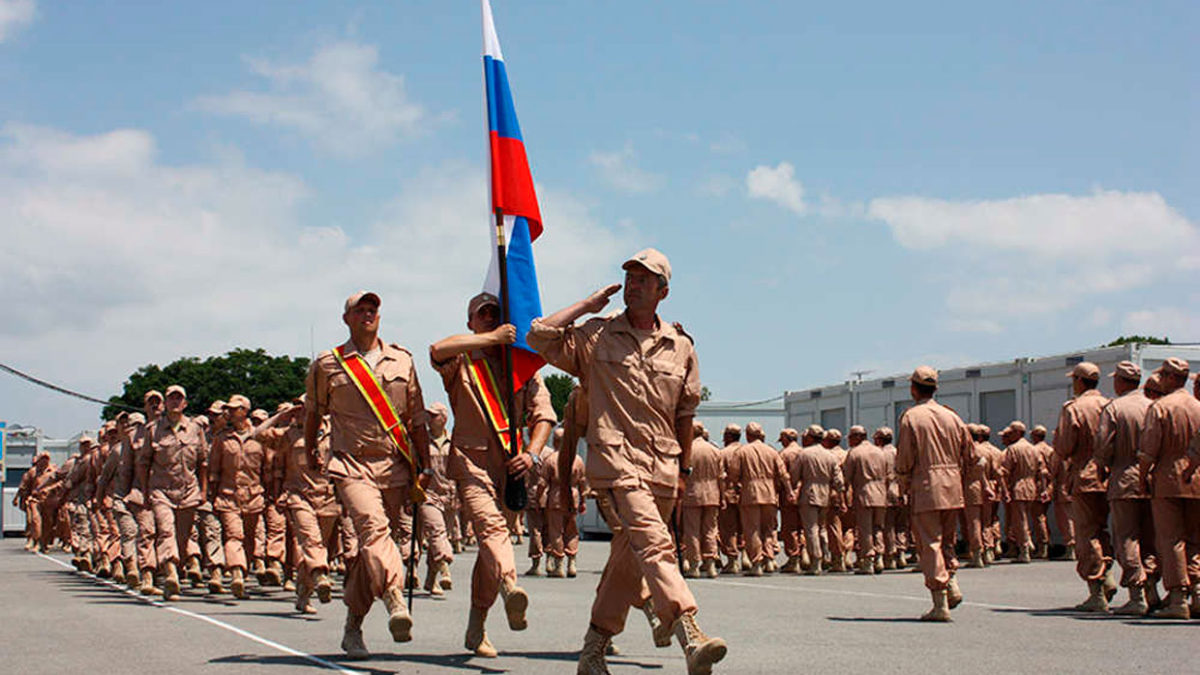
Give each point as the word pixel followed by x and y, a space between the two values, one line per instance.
pixel 282 407
pixel 217 407
pixel 1038 429
pixel 790 433
pixel 1127 370
pixel 1154 383
pixel 238 401
pixel 358 297
pixel 153 393
pixel 480 301
pixel 651 259
pixel 754 428
pixel 1174 366
pixel 86 440
pixel 437 408
pixel 177 389
pixel 732 428
pixel 697 427
pixel 202 420
pixel 972 428
pixel 1085 370
pixel 886 431
pixel 42 457
pixel 137 418
pixel 1017 426
pixel 259 415
pixel 833 434
pixel 985 430
pixel 815 430
pixel 925 375
pixel 124 414
pixel 858 429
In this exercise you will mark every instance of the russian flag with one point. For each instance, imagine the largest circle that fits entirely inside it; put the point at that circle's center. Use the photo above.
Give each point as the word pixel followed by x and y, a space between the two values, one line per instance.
pixel 513 195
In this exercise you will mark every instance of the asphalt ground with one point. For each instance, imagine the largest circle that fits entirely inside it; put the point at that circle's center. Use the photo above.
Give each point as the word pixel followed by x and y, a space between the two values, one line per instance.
pixel 1015 618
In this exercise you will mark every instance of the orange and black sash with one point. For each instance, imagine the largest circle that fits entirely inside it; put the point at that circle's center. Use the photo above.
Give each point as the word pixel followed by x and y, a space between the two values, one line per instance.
pixel 377 399
pixel 485 385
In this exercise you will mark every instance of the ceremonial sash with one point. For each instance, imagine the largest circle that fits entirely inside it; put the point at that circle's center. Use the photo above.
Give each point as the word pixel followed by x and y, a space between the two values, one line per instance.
pixel 489 395
pixel 362 377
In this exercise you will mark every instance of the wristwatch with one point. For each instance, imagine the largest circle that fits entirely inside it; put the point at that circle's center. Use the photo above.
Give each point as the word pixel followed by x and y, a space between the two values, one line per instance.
pixel 427 472
pixel 685 470
pixel 536 460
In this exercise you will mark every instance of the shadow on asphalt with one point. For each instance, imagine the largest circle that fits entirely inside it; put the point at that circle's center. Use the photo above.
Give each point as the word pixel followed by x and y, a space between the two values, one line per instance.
pixel 457 661
pixel 876 619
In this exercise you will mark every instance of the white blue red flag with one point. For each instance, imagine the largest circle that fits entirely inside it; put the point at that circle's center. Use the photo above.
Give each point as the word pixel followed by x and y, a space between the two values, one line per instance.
pixel 513 195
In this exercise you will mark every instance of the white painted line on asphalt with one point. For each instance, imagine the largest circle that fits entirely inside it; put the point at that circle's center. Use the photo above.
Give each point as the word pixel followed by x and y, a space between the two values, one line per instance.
pixel 210 620
pixel 862 594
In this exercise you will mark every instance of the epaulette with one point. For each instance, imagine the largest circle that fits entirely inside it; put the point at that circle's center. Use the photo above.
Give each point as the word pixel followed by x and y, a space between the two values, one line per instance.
pixel 403 349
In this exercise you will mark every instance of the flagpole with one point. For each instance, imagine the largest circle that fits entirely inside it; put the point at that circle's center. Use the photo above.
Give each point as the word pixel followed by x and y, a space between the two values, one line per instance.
pixel 515 495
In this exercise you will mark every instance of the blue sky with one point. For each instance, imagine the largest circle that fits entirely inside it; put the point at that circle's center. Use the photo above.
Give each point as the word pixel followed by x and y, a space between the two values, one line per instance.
pixel 848 187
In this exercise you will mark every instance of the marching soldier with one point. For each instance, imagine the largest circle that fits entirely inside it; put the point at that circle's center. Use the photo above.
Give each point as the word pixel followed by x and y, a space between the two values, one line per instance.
pixel 976 485
pixel 80 487
pixel 1024 472
pixel 895 523
pixel 838 507
pixel 1170 455
pixel 700 507
pixel 1075 441
pixel 817 477
pixel 1037 437
pixel 481 459
pixel 436 505
pixel 171 473
pixel 236 474
pixel 729 524
pixel 789 513
pixel 641 376
pixel 33 484
pixel 1117 443
pixel 758 471
pixel 565 497
pixel 866 470
pixel 378 433
pixel 933 442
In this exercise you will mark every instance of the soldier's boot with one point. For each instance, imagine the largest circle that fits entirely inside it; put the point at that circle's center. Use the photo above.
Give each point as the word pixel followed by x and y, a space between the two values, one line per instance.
pixel 770 566
pixel 289 584
pixel 572 571
pixel 444 579
pixel 1194 609
pixel 259 571
pixel 889 562
pixel 103 570
pixel 1096 601
pixel 591 657
pixel 700 650
pixel 216 585
pixel 976 559
pixel 1043 551
pixel 85 562
pixel 989 556
pixel 814 569
pixel 710 568
pixel 171 582
pixel 516 601
pixel 791 566
pixel 1110 582
pixel 839 564
pixel 476 640
pixel 940 611
pixel 659 631
pixel 352 639
pixel 555 569
pixel 756 570
pixel 534 568
pixel 147 585
pixel 411 578
pixel 864 566
pixel 1175 607
pixel 324 588
pixel 400 622
pixel 805 560
pixel 456 546
pixel 1070 552
pixel 520 538
pixel 1153 600
pixel 303 600
pixel 744 560
pixel 732 566
pixel 691 570
pixel 118 571
pixel 954 596
pixel 28 544
pixel 901 560
pixel 878 563
pixel 1023 556
pixel 192 569
pixel 612 650
pixel 431 579
pixel 1137 603
pixel 237 584
pixel 273 576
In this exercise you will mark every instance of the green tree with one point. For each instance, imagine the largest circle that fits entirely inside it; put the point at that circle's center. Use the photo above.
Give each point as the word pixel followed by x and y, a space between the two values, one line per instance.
pixel 560 386
pixel 1143 339
pixel 267 380
pixel 705 393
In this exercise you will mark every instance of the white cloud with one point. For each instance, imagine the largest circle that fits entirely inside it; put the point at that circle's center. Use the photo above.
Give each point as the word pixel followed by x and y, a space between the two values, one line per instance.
pixel 1179 324
pixel 1038 254
pixel 340 100
pixel 123 261
pixel 620 171
pixel 777 184
pixel 15 15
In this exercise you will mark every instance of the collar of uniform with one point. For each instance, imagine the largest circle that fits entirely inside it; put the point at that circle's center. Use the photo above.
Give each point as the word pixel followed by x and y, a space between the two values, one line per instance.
pixel 1090 392
pixel 661 328
pixel 388 351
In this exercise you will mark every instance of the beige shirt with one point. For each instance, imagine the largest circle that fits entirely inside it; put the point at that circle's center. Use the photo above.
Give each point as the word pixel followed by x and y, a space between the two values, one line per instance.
pixel 1075 440
pixel 932 441
pixel 1024 471
pixel 640 386
pixel 889 455
pixel 554 482
pixel 81 481
pixel 866 470
pixel 708 472
pixel 360 446
pixel 1117 442
pixel 175 456
pixel 730 497
pixel 441 488
pixel 759 470
pixel 236 468
pixel 295 475
pixel 817 472
pixel 977 475
pixel 1171 424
